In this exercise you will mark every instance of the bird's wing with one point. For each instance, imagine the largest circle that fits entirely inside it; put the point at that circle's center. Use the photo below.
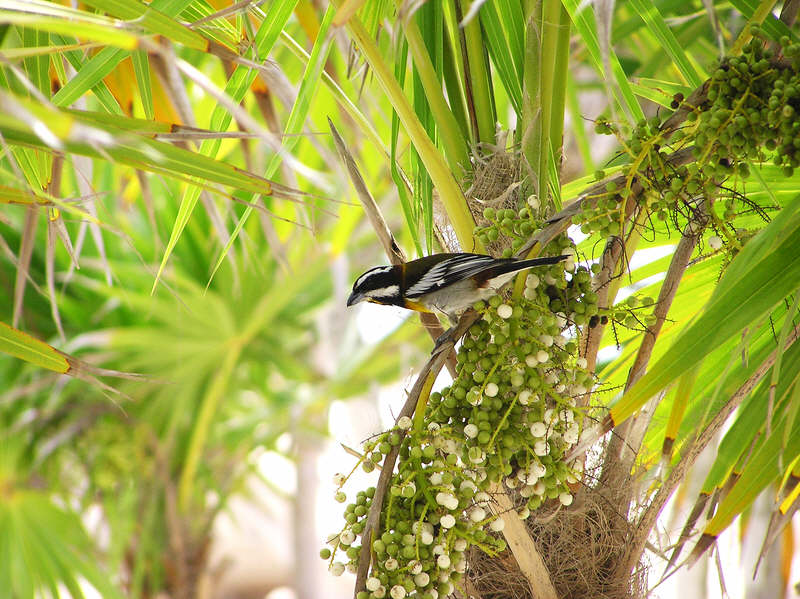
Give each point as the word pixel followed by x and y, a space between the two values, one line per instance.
pixel 450 271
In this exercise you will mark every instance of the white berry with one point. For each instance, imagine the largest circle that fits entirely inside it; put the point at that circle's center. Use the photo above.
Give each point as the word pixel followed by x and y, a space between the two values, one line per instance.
pixel 404 422
pixel 538 429
pixel 447 521
pixel 477 514
pixel 540 448
pixel 397 592
pixel 497 525
pixel 565 498
pixel 491 390
pixel 538 469
pixel 714 242
pixel 504 311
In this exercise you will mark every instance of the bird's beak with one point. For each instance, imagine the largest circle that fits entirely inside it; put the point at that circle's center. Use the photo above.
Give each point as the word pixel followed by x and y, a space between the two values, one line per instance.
pixel 354 298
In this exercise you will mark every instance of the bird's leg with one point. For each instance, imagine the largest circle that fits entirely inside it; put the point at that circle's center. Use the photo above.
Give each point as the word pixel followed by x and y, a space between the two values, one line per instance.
pixel 441 340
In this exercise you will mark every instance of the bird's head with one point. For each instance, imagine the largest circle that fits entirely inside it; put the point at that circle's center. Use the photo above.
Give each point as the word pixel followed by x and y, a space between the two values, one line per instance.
pixel 380 285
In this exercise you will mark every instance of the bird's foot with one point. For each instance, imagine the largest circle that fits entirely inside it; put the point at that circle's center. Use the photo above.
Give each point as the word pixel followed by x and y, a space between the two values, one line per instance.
pixel 442 341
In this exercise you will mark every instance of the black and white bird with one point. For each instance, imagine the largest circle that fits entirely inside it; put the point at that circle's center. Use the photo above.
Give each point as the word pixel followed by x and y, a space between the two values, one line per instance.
pixel 446 283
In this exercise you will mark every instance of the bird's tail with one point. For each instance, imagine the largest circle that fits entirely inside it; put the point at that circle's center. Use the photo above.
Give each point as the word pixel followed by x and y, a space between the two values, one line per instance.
pixel 515 265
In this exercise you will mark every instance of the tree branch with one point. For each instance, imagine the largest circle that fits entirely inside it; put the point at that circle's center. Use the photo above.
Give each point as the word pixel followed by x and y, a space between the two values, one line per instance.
pixel 622 448
pixel 522 546
pixel 559 222
pixel 432 368
pixel 390 246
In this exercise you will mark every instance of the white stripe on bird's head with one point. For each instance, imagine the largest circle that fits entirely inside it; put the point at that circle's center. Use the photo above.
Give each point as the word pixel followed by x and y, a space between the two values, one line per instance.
pixel 390 291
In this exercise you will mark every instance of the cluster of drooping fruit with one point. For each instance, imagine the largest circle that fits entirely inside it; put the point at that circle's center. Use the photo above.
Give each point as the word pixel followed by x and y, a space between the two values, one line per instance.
pixel 507 422
pixel 752 110
pixel 516 225
pixel 749 114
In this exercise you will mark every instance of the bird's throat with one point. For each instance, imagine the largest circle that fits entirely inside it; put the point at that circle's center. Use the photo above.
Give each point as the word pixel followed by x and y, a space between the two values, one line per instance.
pixel 417 307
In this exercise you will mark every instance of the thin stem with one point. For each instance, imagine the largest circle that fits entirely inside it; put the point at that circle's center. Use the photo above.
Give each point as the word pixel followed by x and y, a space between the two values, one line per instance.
pixel 449 191
pixel 452 81
pixel 393 251
pixel 531 94
pixel 551 15
pixel 455 147
pixel 479 80
pixel 559 84
pixel 578 126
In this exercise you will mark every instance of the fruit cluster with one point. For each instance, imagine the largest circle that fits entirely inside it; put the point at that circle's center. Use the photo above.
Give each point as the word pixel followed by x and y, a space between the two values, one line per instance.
pixel 752 107
pixel 515 225
pixel 507 421
pixel 750 114
pixel 511 415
